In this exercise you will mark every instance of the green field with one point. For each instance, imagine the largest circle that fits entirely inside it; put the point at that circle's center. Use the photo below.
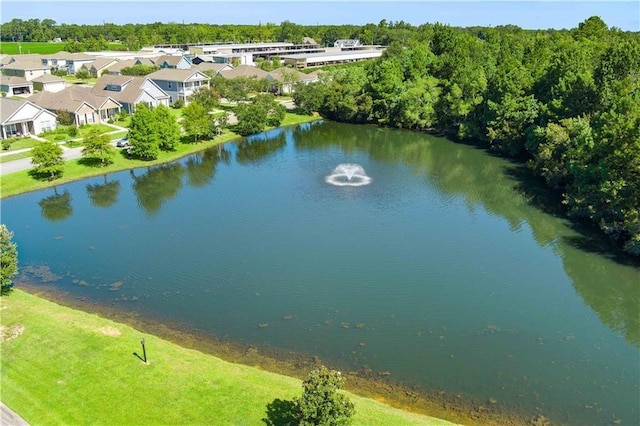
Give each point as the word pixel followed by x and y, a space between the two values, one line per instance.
pixel 62 366
pixel 14 48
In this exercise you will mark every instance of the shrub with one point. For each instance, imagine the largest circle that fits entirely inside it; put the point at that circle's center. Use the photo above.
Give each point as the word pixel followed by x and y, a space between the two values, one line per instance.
pixel 321 403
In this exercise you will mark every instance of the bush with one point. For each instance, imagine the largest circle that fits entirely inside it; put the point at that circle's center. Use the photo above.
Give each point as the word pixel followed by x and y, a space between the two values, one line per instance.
pixel 73 131
pixel 6 144
pixel 321 403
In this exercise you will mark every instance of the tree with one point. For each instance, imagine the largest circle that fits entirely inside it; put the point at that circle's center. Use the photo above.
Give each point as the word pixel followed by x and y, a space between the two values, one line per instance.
pixel 47 159
pixel 98 146
pixel 139 69
pixel 83 74
pixel 321 403
pixel 143 136
pixel 167 127
pixel 251 119
pixel 196 120
pixel 8 259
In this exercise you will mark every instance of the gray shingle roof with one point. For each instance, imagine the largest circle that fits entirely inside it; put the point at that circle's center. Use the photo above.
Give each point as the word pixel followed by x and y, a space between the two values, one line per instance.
pixel 69 99
pixel 172 74
pixel 244 71
pixel 8 107
pixel 130 93
pixel 12 81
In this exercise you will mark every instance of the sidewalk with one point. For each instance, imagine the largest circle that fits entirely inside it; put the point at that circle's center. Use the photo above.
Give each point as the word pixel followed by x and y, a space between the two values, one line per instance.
pixel 9 418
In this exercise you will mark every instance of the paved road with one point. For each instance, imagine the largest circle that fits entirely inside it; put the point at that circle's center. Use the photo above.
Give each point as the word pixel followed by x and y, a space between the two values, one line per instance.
pixel 9 418
pixel 25 163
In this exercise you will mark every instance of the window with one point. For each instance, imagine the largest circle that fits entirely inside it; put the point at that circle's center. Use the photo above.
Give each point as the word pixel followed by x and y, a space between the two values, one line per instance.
pixel 46 125
pixel 169 84
pixel 11 130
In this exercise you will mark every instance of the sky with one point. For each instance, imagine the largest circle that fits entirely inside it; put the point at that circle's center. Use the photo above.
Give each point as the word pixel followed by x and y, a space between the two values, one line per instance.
pixel 536 14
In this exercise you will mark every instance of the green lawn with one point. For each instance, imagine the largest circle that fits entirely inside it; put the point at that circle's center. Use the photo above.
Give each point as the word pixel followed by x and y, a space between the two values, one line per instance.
pixel 19 182
pixel 12 48
pixel 62 132
pixel 13 157
pixel 21 143
pixel 62 366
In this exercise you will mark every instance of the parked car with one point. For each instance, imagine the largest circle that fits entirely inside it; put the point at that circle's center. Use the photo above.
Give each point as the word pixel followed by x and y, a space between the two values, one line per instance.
pixel 124 142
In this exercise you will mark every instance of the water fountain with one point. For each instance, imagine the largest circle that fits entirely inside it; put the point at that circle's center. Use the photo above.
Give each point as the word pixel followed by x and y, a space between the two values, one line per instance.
pixel 348 174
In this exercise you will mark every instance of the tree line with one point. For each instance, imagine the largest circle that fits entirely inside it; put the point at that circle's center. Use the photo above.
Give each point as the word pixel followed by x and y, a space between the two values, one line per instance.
pixel 567 103
pixel 134 36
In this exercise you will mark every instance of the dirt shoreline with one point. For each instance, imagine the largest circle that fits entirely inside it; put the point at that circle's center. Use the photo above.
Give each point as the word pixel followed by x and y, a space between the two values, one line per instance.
pixel 378 386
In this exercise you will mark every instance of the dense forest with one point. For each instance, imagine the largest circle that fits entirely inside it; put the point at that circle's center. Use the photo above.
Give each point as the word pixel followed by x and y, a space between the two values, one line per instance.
pixel 565 102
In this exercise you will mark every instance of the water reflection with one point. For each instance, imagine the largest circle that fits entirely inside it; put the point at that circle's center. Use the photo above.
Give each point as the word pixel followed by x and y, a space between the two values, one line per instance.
pixel 56 207
pixel 105 194
pixel 201 167
pixel 157 186
pixel 261 145
pixel 458 169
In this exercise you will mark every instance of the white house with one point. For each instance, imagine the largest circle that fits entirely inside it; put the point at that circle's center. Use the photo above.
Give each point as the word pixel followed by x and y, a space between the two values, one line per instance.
pixel 86 106
pixel 179 84
pixel 48 83
pixel 21 118
pixel 14 86
pixel 27 69
pixel 130 91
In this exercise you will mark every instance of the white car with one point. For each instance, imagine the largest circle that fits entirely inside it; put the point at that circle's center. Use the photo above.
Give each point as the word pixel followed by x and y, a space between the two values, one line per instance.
pixel 124 142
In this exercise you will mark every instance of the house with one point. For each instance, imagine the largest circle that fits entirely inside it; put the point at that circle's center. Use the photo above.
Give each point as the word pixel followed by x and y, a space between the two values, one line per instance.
pixel 14 86
pixel 77 60
pixel 27 69
pixel 213 68
pixel 179 84
pixel 101 66
pixel 7 59
pixel 130 91
pixel 56 60
pixel 116 69
pixel 21 118
pixel 85 106
pixel 244 71
pixel 48 83
pixel 175 62
pixel 283 79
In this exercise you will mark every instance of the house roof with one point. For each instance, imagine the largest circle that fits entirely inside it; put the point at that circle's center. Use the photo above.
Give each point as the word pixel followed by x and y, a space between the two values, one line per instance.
pixel 101 63
pixel 7 59
pixel 68 99
pixel 122 64
pixel 8 107
pixel 210 66
pixel 48 78
pixel 13 81
pixel 26 64
pixel 70 56
pixel 172 74
pixel 277 74
pixel 147 61
pixel 132 88
pixel 244 71
pixel 169 59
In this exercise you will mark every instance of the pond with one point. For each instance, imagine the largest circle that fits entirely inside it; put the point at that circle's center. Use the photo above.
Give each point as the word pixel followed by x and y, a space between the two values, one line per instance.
pixel 434 270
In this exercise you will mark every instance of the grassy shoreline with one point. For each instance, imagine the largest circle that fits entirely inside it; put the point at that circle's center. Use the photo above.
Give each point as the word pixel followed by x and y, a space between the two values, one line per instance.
pixel 21 182
pixel 63 366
